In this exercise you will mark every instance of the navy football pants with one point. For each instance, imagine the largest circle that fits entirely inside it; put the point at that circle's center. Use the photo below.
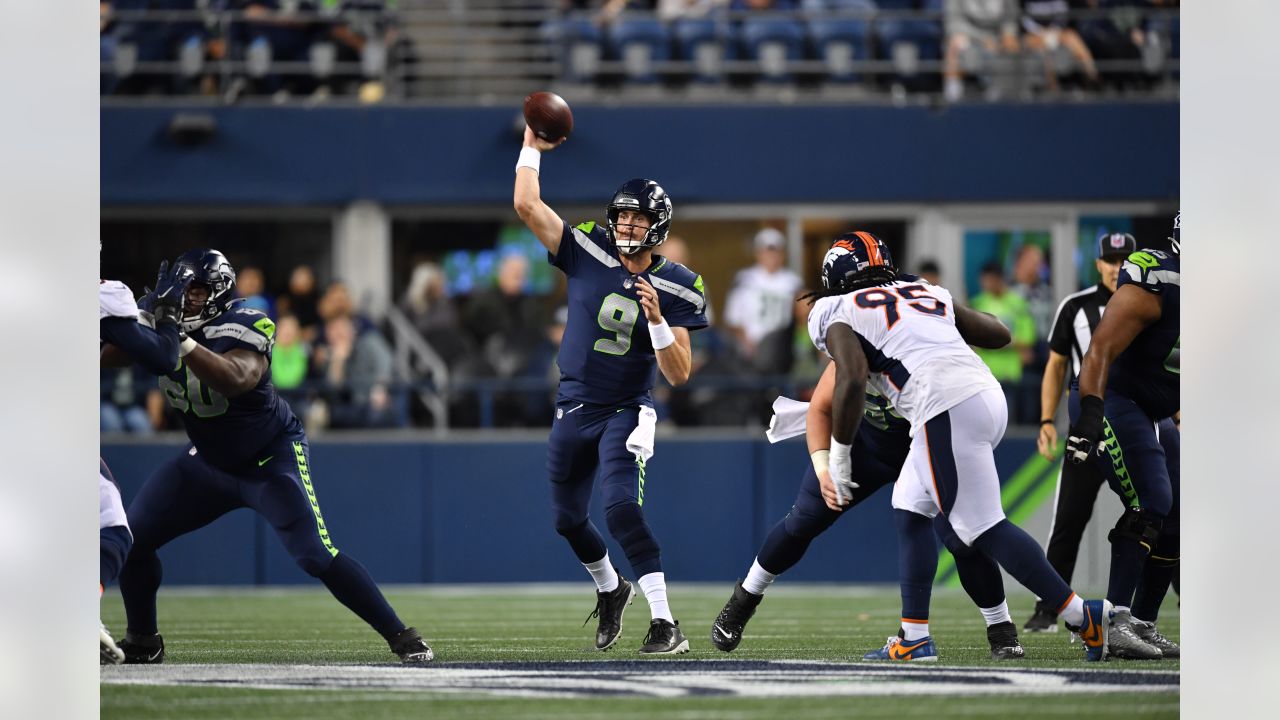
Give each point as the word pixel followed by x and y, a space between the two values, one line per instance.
pixel 187 493
pixel 588 441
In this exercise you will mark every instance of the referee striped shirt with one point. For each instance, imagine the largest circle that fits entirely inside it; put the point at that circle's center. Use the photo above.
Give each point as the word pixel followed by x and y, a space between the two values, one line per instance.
pixel 1073 326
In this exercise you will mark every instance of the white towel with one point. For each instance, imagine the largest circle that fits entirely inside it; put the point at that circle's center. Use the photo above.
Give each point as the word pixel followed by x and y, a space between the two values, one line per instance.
pixel 788 419
pixel 640 441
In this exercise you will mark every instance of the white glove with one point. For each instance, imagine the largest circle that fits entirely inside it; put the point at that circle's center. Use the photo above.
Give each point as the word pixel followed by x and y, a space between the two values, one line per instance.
pixel 841 470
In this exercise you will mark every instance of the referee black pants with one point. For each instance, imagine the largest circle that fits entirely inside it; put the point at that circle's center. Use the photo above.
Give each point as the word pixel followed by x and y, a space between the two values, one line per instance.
pixel 1078 487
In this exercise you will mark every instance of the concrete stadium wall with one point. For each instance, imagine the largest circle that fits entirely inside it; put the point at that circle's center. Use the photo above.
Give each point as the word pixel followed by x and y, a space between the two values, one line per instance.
pixel 463 512
pixel 264 156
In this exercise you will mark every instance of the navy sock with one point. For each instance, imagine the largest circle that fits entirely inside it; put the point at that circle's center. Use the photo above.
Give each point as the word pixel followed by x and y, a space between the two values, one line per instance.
pixel 1127 558
pixel 351 584
pixel 917 563
pixel 782 550
pixel 139 580
pixel 585 540
pixel 1157 575
pixel 114 543
pixel 1019 554
pixel 628 527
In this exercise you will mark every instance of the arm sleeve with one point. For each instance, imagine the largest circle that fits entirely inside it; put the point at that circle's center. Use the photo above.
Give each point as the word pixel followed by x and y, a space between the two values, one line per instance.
pixel 155 350
pixel 685 305
pixel 248 330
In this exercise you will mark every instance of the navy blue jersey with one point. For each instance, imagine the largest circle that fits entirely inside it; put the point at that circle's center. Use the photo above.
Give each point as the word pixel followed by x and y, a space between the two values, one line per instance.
pixel 1148 370
pixel 880 414
pixel 606 357
pixel 229 432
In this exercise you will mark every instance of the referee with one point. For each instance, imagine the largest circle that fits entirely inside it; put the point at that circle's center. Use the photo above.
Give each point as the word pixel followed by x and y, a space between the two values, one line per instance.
pixel 1078 485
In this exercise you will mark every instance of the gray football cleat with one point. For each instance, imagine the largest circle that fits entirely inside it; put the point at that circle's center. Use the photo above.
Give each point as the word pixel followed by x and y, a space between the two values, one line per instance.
pixel 1125 643
pixel 1151 636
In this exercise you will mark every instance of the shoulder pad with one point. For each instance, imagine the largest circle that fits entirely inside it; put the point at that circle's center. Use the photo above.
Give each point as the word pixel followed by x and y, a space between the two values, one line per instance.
pixel 1151 270
pixel 247 325
pixel 115 300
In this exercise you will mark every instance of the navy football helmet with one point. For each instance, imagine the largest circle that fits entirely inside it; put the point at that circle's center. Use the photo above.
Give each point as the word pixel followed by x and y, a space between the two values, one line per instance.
pixel 212 270
pixel 645 196
pixel 857 260
pixel 1176 240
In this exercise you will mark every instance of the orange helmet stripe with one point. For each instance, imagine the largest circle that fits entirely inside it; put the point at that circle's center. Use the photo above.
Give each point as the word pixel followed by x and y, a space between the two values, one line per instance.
pixel 873 247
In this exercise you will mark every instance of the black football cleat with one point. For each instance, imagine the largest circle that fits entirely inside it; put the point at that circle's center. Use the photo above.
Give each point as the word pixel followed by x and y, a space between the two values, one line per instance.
pixel 609 608
pixel 726 631
pixel 142 649
pixel 409 646
pixel 1043 620
pixel 1003 638
pixel 664 638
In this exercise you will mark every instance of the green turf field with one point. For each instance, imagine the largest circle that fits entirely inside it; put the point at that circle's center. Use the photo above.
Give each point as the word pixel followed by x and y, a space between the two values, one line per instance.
pixel 493 646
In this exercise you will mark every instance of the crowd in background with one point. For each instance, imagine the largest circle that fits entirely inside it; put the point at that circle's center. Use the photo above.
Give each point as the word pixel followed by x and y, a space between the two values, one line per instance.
pixel 337 367
pixel 318 48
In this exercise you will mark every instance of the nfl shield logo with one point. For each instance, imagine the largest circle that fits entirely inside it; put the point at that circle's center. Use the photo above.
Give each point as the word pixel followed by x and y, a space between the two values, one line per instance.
pixel 1117 240
pixel 559 413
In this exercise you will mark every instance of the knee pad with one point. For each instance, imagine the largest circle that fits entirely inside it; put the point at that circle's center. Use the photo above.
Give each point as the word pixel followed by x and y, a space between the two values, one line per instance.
pixel 313 564
pixel 1166 551
pixel 568 524
pixel 627 526
pixel 1139 525
pixel 805 525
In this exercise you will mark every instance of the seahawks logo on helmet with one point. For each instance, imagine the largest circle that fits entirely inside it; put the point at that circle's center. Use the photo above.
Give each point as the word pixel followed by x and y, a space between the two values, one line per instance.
pixel 212 270
pixel 643 196
pixel 1175 241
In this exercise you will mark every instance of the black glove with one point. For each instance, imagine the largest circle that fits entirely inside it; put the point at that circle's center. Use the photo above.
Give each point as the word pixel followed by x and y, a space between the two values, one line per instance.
pixel 1084 433
pixel 171 291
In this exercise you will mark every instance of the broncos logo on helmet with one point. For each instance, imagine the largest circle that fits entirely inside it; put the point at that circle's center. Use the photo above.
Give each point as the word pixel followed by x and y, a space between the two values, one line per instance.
pixel 213 272
pixel 857 259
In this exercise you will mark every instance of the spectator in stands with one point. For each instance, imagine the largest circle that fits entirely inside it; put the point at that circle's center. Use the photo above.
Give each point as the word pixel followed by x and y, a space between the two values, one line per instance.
pixel 986 31
pixel 1046 26
pixel 250 288
pixel 270 32
pixel 124 395
pixel 290 357
pixel 1116 35
pixel 930 271
pixel 357 369
pixel 506 321
pixel 1029 271
pixel 1006 363
pixel 761 306
pixel 669 10
pixel 432 312
pixel 300 300
pixel 366 32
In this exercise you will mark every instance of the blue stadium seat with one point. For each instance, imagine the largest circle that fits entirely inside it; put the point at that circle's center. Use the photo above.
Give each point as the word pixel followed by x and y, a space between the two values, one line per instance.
pixel 703 42
pixel 907 40
pixel 841 40
pixel 639 41
pixel 580 45
pixel 773 41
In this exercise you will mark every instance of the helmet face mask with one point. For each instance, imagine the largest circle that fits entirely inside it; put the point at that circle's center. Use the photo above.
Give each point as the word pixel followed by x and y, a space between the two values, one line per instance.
pixel 212 277
pixel 1175 241
pixel 647 198
pixel 857 260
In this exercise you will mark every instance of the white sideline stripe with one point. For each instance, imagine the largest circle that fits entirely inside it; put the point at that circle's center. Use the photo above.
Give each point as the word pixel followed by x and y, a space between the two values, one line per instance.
pixel 755 679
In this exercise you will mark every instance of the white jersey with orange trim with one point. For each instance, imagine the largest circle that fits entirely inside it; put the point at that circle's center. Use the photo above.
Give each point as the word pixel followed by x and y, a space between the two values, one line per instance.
pixel 917 358
pixel 115 300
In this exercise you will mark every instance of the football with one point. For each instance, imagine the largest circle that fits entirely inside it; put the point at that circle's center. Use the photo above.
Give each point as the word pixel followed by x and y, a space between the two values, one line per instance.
pixel 548 115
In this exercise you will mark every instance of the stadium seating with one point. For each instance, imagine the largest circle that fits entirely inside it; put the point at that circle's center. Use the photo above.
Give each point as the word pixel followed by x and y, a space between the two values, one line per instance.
pixel 844 39
pixel 639 41
pixel 773 41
